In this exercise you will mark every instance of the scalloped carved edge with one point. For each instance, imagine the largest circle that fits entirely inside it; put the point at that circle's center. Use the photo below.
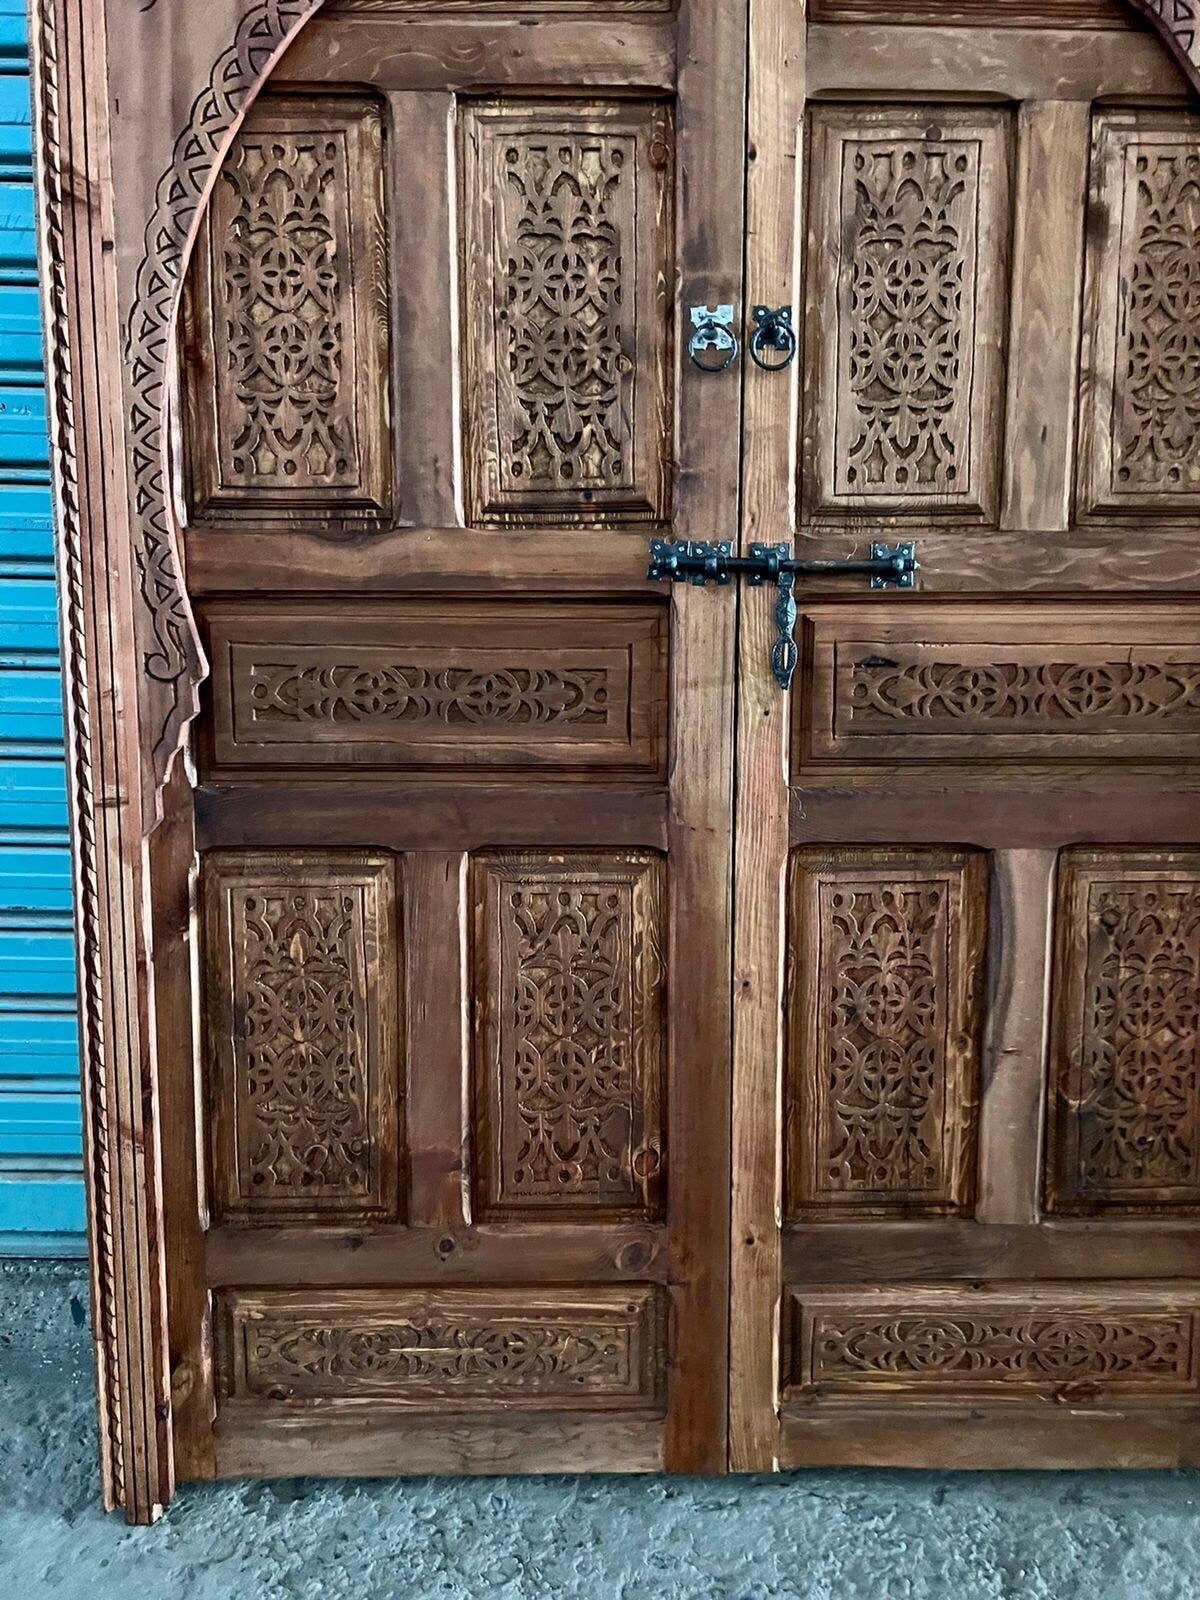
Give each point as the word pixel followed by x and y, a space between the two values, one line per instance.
pixel 172 655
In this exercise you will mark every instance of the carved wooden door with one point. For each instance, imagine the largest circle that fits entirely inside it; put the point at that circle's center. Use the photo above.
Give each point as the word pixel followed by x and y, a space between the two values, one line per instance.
pixel 967 842
pixel 413 1155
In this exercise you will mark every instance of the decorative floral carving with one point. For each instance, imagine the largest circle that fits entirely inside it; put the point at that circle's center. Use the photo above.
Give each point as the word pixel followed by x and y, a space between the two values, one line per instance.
pixel 466 696
pixel 1012 692
pixel 302 1092
pixel 1156 444
pixel 572 986
pixel 909 348
pixel 1030 1349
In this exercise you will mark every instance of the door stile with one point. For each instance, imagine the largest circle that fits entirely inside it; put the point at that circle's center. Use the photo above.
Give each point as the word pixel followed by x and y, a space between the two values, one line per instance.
pixel 711 98
pixel 774 155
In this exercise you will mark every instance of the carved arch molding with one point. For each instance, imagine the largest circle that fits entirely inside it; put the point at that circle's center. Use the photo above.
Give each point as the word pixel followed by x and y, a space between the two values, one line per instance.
pixel 168 640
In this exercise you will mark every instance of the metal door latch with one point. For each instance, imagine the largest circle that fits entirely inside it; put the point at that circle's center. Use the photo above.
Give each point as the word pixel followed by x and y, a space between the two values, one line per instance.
pixel 713 331
pixel 773 331
pixel 699 562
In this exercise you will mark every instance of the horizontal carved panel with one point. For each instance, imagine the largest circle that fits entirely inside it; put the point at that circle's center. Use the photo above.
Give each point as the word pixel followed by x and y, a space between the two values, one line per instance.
pixel 300 988
pixel 420 685
pixel 1021 1341
pixel 286 351
pixel 593 1349
pixel 568 292
pixel 568 964
pixel 1091 681
pixel 1125 1073
pixel 907 282
pixel 1106 14
pixel 886 956
pixel 1140 433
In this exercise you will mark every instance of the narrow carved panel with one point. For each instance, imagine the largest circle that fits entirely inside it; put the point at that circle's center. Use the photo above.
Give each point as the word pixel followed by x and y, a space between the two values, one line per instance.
pixel 1021 1341
pixel 1099 14
pixel 886 954
pixel 287 351
pixel 1126 1069
pixel 498 686
pixel 568 290
pixel 569 1048
pixel 990 684
pixel 1140 439
pixel 301 999
pixel 595 1349
pixel 905 316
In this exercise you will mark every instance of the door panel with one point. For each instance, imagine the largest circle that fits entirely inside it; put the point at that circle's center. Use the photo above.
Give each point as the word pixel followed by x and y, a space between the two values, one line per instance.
pixel 462 819
pixel 966 939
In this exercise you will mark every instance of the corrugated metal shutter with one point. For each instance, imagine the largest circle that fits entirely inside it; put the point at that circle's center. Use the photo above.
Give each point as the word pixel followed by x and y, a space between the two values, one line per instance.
pixel 41 1188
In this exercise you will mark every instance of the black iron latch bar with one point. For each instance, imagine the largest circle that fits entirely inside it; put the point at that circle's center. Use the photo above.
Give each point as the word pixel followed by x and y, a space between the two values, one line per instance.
pixel 700 562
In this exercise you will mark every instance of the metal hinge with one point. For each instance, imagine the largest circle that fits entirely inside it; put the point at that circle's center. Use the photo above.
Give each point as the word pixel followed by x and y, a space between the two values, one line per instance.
pixel 697 561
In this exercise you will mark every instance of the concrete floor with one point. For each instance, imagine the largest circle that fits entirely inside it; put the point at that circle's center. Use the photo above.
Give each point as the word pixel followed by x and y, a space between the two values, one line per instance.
pixel 806 1536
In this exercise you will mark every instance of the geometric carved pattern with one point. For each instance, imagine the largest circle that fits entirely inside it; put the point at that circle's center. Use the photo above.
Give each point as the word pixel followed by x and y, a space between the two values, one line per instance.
pixel 990 684
pixel 410 684
pixel 1126 1072
pixel 1141 445
pixel 886 957
pixel 300 993
pixel 288 399
pixel 594 1349
pixel 905 319
pixel 570 1043
pixel 568 246
pixel 1018 1342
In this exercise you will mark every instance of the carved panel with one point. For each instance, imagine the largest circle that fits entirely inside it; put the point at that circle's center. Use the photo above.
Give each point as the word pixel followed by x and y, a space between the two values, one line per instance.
pixel 287 347
pixel 1098 14
pixel 1140 438
pixel 886 956
pixel 997 684
pixel 570 1037
pixel 1020 1341
pixel 1126 1068
pixel 568 254
pixel 409 685
pixel 905 321
pixel 594 1349
pixel 301 996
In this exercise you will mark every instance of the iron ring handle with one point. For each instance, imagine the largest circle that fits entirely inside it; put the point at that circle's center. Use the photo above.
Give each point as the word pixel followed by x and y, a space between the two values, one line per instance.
pixel 709 336
pixel 773 331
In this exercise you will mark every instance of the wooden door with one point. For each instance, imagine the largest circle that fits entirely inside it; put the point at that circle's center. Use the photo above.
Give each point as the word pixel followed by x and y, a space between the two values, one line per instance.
pixel 408 1021
pixel 967 948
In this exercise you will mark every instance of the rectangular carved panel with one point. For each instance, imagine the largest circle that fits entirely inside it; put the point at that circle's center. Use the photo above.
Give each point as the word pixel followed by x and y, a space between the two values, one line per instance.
pixel 568 964
pixel 1020 1341
pixel 1140 433
pixel 885 949
pixel 287 346
pixel 568 291
pixel 989 683
pixel 301 1007
pixel 1125 1074
pixel 907 280
pixel 503 685
pixel 593 1349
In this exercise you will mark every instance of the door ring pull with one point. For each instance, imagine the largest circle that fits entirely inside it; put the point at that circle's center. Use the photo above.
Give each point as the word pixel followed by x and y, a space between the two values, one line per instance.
pixel 773 331
pixel 713 331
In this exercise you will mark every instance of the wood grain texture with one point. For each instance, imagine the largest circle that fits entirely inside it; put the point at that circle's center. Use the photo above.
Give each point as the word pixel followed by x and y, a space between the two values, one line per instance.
pixel 302 1019
pixel 287 326
pixel 1125 1116
pixel 885 1003
pixel 1139 454
pixel 898 384
pixel 570 993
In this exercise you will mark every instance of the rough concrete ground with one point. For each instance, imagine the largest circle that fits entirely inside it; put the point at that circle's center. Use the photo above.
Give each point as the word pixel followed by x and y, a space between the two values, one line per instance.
pixel 804 1536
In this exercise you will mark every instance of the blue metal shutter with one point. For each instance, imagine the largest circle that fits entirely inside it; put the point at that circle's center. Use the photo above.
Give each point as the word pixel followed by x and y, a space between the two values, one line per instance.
pixel 41 1184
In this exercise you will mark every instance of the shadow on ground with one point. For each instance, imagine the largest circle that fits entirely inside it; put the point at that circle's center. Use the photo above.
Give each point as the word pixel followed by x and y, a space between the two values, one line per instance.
pixel 803 1536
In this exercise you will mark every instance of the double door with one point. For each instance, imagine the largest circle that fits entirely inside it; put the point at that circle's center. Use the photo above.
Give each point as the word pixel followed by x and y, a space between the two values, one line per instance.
pixel 574 1050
